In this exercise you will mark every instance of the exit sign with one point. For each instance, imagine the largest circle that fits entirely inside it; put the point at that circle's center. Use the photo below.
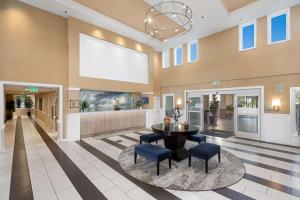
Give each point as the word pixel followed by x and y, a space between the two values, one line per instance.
pixel 216 83
pixel 33 89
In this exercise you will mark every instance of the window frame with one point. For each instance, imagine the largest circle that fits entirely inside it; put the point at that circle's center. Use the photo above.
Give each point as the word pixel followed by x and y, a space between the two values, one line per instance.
pixel 241 26
pixel 175 55
pixel 165 55
pixel 293 91
pixel 288 25
pixel 189 45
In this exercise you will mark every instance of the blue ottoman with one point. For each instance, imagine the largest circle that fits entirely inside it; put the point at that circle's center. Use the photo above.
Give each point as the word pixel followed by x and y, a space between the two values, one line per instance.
pixel 154 153
pixel 197 138
pixel 151 137
pixel 204 151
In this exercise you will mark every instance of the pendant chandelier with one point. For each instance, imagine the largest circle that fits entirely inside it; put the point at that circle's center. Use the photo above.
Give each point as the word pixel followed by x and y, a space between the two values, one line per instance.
pixel 168 19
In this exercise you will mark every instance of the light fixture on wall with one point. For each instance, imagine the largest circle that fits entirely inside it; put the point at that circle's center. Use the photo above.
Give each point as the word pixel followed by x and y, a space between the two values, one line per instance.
pixel 178 103
pixel 276 103
pixel 179 12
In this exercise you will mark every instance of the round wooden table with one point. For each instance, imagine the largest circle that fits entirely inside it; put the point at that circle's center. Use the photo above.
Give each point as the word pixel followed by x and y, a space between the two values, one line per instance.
pixel 175 137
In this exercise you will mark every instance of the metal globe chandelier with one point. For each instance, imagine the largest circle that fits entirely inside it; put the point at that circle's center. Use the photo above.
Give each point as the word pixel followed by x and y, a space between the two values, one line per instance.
pixel 168 19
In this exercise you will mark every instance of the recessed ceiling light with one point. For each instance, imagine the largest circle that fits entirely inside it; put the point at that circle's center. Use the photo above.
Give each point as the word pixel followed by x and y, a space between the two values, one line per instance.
pixel 176 30
pixel 145 20
pixel 165 40
pixel 152 9
pixel 149 20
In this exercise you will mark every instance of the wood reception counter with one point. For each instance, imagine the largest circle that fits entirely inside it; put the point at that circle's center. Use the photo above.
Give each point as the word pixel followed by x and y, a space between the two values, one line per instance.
pixel 92 123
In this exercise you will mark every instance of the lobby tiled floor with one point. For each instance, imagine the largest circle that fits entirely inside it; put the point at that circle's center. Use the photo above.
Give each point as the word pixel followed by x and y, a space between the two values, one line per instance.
pixel 89 169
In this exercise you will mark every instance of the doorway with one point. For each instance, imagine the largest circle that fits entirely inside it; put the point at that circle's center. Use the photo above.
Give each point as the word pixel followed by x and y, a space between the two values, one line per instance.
pixel 45 105
pixel 238 111
pixel 168 102
pixel 222 121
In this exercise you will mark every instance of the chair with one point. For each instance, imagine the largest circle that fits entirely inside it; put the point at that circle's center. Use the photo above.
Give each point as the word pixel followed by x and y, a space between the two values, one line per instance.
pixel 154 153
pixel 151 137
pixel 205 151
pixel 197 138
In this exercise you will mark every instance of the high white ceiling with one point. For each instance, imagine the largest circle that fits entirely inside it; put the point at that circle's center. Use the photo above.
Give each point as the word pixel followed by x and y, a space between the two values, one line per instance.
pixel 216 17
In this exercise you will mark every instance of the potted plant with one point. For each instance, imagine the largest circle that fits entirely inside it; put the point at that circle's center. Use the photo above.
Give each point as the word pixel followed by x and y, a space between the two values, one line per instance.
pixel 84 106
pixel 28 103
pixel 10 107
pixel 116 104
pixel 213 109
pixel 139 104
pixel 18 102
pixel 229 111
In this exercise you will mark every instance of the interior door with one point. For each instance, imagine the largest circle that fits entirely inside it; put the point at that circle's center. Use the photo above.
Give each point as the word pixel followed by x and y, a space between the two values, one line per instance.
pixel 195 113
pixel 247 115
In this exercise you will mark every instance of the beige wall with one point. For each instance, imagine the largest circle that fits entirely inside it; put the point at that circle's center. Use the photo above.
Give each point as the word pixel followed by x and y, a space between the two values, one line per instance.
pixel 48 105
pixel 33 44
pixel 75 27
pixel 220 59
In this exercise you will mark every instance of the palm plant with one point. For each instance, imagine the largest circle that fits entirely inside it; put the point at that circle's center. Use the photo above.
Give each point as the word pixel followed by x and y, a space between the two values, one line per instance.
pixel 10 107
pixel 84 106
pixel 28 103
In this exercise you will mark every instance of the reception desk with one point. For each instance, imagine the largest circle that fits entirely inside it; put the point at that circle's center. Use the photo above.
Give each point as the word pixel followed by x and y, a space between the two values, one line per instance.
pixel 93 123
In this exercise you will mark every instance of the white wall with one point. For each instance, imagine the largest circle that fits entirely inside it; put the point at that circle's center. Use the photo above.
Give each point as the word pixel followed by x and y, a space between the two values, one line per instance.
pixel 105 60
pixel 73 127
pixel 278 129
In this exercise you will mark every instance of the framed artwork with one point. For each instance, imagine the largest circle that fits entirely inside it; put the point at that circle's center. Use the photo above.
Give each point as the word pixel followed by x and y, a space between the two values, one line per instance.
pixel 74 103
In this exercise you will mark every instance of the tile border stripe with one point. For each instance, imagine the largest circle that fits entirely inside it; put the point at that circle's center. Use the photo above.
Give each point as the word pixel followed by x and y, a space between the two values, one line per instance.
pixel 156 192
pixel 231 194
pixel 86 189
pixel 20 185
pixel 130 138
pixel 273 185
pixel 284 145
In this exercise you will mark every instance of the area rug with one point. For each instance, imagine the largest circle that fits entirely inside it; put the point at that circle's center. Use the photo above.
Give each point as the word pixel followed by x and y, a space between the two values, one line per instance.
pixel 181 177
pixel 217 133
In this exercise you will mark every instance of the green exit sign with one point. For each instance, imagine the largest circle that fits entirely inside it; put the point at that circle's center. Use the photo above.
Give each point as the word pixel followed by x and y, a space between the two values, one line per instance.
pixel 216 83
pixel 33 89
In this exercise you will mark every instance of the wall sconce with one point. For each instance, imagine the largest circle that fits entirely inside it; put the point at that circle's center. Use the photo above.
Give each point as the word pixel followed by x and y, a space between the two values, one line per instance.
pixel 178 103
pixel 276 103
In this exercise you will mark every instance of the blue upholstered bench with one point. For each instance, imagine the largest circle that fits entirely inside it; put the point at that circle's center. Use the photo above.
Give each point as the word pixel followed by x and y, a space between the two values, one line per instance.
pixel 151 137
pixel 197 138
pixel 154 153
pixel 204 151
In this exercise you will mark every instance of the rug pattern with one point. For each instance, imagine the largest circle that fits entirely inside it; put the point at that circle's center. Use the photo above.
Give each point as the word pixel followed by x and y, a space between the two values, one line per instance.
pixel 181 177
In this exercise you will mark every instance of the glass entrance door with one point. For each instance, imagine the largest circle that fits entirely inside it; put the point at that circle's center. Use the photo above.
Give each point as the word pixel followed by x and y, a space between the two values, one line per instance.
pixel 195 110
pixel 247 119
pixel 168 102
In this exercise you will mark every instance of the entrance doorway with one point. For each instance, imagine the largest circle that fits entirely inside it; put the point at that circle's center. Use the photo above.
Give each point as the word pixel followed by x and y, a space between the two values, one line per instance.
pixel 226 112
pixel 222 121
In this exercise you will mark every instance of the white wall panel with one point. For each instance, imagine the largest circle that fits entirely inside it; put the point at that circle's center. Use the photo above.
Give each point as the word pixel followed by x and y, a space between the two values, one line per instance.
pixel 105 60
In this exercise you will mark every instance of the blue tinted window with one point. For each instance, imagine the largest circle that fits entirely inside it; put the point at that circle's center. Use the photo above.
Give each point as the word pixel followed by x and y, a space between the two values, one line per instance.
pixel 179 56
pixel 193 52
pixel 278 28
pixel 248 37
